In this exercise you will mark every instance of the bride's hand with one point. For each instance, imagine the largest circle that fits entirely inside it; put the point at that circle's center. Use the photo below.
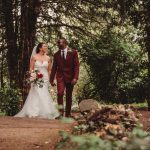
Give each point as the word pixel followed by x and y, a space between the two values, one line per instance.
pixel 53 83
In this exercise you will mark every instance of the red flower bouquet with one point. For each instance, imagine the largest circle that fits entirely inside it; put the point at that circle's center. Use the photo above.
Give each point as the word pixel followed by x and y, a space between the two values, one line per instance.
pixel 35 78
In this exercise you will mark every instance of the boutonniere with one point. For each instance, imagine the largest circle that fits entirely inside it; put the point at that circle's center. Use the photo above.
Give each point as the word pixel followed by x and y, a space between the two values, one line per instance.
pixel 69 50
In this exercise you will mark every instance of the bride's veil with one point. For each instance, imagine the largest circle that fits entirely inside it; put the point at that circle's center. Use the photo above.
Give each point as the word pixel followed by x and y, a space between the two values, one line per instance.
pixel 33 52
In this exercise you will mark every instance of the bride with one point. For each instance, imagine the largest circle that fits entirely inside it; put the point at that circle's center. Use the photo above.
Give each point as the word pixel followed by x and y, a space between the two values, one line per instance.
pixel 39 102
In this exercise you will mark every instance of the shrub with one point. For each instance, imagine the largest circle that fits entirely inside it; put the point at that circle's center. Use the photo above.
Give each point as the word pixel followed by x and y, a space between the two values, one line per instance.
pixel 117 68
pixel 9 100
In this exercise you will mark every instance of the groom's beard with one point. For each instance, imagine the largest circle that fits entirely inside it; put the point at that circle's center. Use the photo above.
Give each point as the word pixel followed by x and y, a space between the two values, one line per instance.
pixel 61 47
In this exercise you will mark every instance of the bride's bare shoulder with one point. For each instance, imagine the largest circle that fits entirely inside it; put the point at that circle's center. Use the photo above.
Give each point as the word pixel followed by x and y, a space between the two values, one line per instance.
pixel 48 58
pixel 34 57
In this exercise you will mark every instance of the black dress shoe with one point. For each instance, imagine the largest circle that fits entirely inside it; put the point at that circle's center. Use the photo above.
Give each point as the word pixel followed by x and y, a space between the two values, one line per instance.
pixel 59 117
pixel 148 109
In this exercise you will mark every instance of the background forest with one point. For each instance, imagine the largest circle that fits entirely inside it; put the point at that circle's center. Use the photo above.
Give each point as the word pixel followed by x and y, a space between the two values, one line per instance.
pixel 112 38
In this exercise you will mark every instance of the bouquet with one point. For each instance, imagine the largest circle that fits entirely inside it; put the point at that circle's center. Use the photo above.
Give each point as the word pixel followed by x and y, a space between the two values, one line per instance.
pixel 35 77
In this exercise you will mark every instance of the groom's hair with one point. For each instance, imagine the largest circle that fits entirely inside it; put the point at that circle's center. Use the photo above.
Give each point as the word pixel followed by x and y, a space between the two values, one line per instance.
pixel 62 38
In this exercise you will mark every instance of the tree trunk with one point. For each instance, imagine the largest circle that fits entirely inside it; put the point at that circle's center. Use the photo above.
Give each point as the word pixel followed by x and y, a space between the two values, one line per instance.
pixel 1 70
pixel 29 14
pixel 147 29
pixel 147 42
pixel 20 34
pixel 11 40
pixel 148 101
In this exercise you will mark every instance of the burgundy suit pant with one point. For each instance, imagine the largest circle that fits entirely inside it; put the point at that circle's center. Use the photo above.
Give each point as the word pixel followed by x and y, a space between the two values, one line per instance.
pixel 61 88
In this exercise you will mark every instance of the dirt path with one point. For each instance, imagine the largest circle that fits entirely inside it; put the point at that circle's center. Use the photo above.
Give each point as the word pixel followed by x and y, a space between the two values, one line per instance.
pixel 30 134
pixel 38 134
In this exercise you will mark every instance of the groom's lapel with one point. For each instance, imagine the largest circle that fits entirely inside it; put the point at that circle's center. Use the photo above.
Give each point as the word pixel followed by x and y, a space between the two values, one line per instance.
pixel 69 50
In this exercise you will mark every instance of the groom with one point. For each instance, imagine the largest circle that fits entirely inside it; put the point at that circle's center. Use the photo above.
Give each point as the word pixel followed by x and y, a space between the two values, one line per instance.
pixel 66 69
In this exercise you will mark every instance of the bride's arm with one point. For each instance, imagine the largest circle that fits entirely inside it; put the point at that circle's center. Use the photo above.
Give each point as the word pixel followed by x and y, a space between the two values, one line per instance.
pixel 49 66
pixel 32 61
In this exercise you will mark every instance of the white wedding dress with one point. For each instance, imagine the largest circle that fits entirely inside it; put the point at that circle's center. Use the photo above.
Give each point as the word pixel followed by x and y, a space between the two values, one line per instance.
pixel 39 103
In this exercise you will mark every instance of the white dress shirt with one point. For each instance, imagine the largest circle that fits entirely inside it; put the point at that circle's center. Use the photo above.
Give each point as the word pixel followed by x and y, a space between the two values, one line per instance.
pixel 65 52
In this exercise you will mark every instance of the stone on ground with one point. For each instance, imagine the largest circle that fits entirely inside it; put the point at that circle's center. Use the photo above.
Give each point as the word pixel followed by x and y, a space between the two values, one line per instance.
pixel 88 105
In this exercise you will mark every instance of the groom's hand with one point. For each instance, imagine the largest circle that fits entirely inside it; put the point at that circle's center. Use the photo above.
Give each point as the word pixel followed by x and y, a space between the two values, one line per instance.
pixel 74 81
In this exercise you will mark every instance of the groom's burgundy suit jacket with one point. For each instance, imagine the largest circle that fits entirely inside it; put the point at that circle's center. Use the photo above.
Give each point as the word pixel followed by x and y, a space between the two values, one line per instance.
pixel 66 70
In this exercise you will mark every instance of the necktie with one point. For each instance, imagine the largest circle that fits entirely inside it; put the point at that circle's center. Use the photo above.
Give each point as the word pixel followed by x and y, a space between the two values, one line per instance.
pixel 63 55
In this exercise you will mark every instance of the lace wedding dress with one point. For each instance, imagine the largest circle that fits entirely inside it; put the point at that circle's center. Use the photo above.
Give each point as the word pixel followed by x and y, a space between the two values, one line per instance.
pixel 39 102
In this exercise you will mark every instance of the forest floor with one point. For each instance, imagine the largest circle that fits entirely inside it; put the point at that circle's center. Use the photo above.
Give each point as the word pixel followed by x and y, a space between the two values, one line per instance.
pixel 34 134
pixel 30 134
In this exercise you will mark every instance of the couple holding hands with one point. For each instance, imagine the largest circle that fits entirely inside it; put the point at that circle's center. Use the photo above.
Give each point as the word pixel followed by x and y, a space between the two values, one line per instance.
pixel 65 68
